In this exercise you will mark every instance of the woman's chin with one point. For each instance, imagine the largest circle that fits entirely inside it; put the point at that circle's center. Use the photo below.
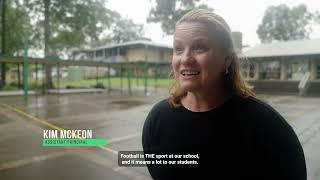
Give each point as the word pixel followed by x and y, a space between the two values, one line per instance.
pixel 189 86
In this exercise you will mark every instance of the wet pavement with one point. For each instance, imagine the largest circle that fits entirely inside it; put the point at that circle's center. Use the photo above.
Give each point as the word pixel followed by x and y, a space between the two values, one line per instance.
pixel 119 119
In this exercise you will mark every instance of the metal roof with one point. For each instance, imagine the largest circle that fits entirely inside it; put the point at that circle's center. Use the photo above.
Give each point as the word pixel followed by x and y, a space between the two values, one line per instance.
pixel 288 48
pixel 131 43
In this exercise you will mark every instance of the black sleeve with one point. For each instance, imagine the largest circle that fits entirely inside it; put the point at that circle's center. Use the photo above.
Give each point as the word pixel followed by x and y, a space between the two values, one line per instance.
pixel 279 153
pixel 149 133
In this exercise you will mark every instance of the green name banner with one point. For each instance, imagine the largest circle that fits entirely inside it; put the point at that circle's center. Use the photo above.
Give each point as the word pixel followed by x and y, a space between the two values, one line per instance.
pixel 74 142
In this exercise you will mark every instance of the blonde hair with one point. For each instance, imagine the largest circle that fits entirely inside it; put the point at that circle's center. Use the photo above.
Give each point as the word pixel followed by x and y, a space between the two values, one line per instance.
pixel 233 82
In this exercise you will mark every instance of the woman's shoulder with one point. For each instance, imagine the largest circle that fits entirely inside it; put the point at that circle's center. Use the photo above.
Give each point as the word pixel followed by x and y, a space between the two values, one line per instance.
pixel 267 119
pixel 161 106
pixel 258 107
pixel 152 122
pixel 263 114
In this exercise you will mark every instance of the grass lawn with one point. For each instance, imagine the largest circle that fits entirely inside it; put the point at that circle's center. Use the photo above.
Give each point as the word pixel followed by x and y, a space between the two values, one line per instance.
pixel 115 82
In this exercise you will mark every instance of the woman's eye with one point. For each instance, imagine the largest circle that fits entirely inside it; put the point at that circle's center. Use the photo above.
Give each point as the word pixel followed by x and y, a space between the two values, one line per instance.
pixel 199 49
pixel 178 50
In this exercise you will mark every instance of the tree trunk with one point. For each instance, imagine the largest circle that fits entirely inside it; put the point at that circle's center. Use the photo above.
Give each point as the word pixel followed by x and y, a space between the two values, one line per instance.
pixel 47 34
pixel 3 43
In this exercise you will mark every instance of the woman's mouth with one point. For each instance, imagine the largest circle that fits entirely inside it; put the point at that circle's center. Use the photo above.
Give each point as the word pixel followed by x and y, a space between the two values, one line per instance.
pixel 189 72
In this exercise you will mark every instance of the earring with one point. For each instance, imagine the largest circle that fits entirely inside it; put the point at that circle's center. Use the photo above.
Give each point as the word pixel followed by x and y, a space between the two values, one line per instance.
pixel 226 72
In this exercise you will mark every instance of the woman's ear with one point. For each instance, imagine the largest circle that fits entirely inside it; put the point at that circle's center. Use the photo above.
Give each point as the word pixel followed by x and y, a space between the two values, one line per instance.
pixel 228 60
pixel 227 63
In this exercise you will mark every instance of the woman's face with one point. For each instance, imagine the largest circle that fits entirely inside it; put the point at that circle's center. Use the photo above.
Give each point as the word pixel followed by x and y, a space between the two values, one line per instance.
pixel 197 62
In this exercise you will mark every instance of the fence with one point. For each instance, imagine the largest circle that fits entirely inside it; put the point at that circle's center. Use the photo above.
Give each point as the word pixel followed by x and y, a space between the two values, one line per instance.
pixel 67 74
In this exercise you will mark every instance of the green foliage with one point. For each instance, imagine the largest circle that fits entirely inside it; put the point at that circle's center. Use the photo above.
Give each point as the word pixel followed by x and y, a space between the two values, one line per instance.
pixel 168 12
pixel 69 24
pixel 281 23
pixel 72 23
pixel 16 22
pixel 79 24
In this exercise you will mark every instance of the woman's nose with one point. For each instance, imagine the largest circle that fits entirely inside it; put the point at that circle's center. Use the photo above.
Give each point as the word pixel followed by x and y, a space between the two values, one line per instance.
pixel 187 56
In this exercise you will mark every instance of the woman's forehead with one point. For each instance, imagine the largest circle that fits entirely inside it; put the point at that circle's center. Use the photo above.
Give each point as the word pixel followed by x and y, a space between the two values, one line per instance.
pixel 193 30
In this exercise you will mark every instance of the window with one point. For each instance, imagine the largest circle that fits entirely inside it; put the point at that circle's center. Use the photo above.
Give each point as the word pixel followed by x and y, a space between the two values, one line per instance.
pixel 248 70
pixel 161 55
pixel 122 52
pixel 90 55
pixel 99 53
pixel 297 69
pixel 270 70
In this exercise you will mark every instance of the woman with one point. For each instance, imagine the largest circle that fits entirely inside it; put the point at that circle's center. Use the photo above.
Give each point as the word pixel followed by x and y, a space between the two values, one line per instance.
pixel 212 113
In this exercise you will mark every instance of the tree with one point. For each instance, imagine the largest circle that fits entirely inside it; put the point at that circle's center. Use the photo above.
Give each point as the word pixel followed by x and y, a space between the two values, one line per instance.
pixel 57 26
pixel 14 21
pixel 124 29
pixel 168 12
pixel 66 24
pixel 3 41
pixel 281 23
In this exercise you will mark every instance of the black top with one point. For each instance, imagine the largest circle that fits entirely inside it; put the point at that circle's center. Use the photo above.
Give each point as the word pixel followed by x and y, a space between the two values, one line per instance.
pixel 243 138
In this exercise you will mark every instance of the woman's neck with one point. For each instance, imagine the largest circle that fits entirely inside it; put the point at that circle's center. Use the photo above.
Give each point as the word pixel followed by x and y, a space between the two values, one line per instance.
pixel 203 101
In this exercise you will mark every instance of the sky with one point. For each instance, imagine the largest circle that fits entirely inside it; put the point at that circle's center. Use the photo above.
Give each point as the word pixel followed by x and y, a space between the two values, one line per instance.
pixel 241 15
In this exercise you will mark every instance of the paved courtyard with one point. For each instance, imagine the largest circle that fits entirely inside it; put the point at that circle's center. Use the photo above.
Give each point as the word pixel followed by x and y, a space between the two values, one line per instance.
pixel 117 118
